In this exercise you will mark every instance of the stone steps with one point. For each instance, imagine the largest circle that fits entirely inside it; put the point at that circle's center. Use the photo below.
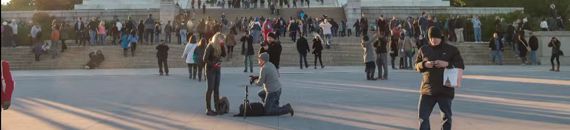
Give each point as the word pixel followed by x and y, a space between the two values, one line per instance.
pixel 344 52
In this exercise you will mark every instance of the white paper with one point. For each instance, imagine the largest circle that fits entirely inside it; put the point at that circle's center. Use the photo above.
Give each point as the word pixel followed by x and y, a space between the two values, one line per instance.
pixel 452 76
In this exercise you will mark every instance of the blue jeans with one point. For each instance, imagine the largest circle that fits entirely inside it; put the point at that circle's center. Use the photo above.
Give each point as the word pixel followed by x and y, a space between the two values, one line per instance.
pixel 425 107
pixel 497 57
pixel 328 37
pixel 92 37
pixel 533 59
pixel 271 100
pixel 477 32
pixel 247 60
pixel 101 39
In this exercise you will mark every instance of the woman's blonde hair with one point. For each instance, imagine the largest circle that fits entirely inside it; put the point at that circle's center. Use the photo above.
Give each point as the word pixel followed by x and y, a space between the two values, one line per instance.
pixel 215 43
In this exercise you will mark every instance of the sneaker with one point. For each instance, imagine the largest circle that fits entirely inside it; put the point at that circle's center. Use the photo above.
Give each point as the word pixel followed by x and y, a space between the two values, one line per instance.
pixel 211 113
pixel 291 111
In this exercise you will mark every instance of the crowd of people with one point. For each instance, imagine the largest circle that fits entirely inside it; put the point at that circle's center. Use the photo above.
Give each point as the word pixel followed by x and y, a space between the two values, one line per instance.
pixel 251 3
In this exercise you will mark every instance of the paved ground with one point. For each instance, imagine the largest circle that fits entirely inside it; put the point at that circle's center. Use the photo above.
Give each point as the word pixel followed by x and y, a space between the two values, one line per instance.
pixel 493 98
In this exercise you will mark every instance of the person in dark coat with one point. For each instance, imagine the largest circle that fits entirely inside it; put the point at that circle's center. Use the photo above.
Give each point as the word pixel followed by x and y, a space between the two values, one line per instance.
pixel 274 49
pixel 523 47
pixel 394 46
pixel 496 47
pixel 199 52
pixel 381 45
pixel 556 53
pixel 213 55
pixel 95 59
pixel 431 61
pixel 303 49
pixel 533 44
pixel 247 51
pixel 317 50
pixel 162 55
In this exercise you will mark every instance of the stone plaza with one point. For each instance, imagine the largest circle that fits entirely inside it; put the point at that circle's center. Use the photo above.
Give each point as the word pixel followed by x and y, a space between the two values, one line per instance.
pixel 334 98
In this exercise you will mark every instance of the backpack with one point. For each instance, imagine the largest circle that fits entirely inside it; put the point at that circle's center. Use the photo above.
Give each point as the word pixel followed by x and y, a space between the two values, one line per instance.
pixel 253 109
pixel 224 105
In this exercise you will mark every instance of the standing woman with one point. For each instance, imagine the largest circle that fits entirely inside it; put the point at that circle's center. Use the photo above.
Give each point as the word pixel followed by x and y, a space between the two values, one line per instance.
pixel 317 49
pixel 190 57
pixel 556 53
pixel 523 47
pixel 101 32
pixel 230 43
pixel 213 58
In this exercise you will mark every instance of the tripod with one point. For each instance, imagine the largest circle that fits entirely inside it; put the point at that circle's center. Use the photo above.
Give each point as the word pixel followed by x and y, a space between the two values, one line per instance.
pixel 246 101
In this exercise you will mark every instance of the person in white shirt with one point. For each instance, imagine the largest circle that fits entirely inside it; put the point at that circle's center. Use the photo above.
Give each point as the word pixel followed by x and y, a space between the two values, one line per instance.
pixel 544 25
pixel 190 57
pixel 326 27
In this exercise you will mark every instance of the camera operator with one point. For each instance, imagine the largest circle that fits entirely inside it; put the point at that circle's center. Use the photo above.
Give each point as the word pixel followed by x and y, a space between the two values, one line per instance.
pixel 269 78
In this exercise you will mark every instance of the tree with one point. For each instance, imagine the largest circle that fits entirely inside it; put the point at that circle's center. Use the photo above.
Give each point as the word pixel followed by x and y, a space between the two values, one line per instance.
pixel 41 5
pixel 19 5
pixel 458 3
pixel 56 4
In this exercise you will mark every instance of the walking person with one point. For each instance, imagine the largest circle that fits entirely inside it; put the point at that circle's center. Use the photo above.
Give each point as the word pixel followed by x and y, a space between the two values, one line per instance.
pixel 133 41
pixel 274 49
pixel 183 33
pixel 7 85
pixel 157 31
pixel 303 49
pixel 213 58
pixel 190 56
pixel 317 50
pixel 199 53
pixel 327 32
pixel 162 55
pixel 408 50
pixel 381 45
pixel 247 51
pixel 523 48
pixel 394 47
pixel 556 53
pixel 497 47
pixel 533 44
pixel 125 42
pixel 230 44
pixel 431 61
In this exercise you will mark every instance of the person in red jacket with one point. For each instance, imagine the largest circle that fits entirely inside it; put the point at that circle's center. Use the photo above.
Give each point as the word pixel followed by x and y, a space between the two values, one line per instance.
pixel 7 85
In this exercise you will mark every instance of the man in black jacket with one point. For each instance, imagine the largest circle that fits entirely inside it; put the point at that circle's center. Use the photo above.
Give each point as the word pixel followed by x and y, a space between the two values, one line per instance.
pixel 496 47
pixel 247 51
pixel 303 49
pixel 533 43
pixel 162 55
pixel 274 49
pixel 431 61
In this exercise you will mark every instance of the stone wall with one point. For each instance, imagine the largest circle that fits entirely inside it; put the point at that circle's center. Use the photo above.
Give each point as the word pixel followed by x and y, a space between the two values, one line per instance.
pixel 71 15
pixel 403 12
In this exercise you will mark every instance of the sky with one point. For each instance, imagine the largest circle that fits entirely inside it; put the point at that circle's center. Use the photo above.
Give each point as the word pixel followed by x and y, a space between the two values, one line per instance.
pixel 5 1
